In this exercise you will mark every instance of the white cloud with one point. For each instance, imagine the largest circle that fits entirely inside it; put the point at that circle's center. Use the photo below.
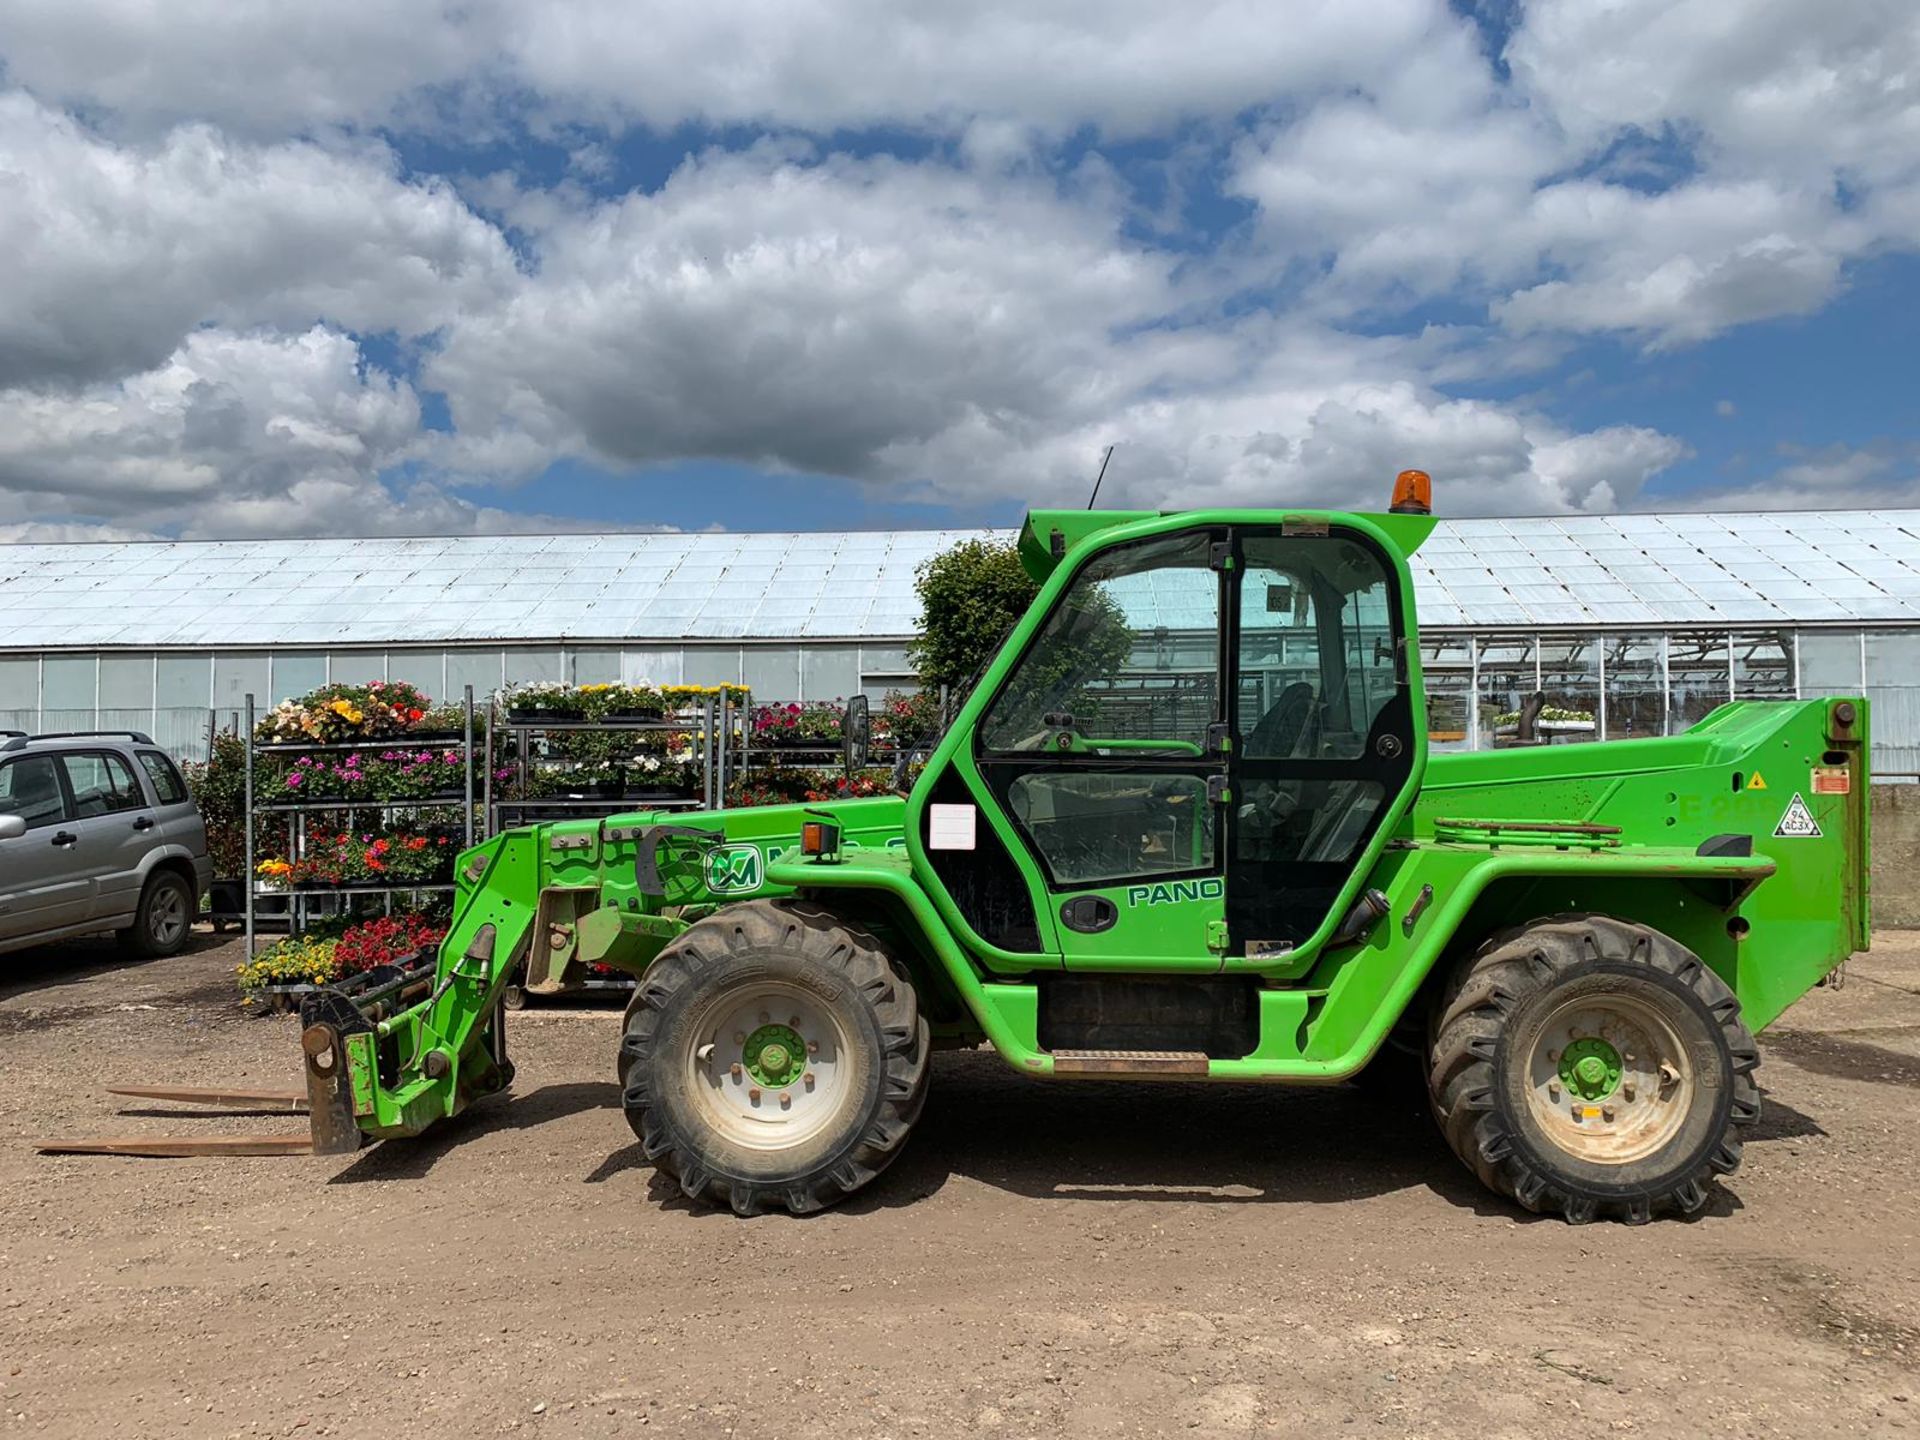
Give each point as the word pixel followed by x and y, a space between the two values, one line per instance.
pixel 116 252
pixel 1125 66
pixel 190 265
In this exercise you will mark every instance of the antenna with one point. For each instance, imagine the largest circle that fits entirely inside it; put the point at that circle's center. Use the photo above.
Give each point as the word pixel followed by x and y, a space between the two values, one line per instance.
pixel 1101 476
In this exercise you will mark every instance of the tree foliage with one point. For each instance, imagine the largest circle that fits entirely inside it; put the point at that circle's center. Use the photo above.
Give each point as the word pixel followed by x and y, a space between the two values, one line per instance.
pixel 970 597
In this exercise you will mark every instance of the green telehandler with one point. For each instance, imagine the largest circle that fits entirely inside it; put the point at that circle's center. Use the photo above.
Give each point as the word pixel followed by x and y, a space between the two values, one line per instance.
pixel 1184 827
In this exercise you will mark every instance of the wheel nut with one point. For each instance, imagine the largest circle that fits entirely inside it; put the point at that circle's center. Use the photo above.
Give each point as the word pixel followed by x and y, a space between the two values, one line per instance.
pixel 1626 1091
pixel 809 1079
pixel 764 1017
pixel 786 1101
pixel 793 1022
pixel 1553 1092
pixel 739 1037
pixel 754 1094
pixel 1553 1056
pixel 1606 1112
pixel 813 1047
pixel 734 1069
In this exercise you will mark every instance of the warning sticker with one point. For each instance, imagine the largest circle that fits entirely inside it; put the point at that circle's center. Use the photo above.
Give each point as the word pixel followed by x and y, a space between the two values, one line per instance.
pixel 1798 823
pixel 1756 783
pixel 1832 780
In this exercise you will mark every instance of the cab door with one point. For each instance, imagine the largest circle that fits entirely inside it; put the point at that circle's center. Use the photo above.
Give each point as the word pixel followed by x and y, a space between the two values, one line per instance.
pixel 1105 751
pixel 1327 734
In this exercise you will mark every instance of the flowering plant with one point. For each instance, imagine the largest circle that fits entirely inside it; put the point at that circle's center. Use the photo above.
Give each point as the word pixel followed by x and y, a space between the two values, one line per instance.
pixel 908 720
pixel 816 723
pixel 547 698
pixel 350 858
pixel 690 697
pixel 297 960
pixel 386 940
pixel 402 773
pixel 854 787
pixel 344 712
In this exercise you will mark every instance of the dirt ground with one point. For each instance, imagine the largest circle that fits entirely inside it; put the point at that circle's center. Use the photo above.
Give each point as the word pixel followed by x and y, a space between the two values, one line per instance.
pixel 1075 1261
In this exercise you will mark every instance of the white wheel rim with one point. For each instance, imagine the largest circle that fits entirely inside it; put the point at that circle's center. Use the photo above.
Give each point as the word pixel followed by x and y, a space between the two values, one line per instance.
pixel 1636 1115
pixel 731 1065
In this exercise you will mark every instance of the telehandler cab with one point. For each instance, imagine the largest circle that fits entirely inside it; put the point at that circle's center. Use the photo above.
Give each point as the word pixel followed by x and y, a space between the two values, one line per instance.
pixel 1185 827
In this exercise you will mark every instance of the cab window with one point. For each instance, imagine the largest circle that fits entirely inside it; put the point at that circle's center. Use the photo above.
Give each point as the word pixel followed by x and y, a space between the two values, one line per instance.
pixel 1318 659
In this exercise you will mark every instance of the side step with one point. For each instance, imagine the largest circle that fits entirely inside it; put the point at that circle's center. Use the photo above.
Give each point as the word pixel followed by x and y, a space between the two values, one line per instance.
pixel 1129 1062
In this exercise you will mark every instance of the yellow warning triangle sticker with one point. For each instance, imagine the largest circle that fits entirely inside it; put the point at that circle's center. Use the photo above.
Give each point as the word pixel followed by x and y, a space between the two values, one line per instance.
pixel 1756 783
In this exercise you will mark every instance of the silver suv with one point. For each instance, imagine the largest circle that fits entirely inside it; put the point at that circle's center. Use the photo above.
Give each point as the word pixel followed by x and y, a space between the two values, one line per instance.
pixel 97 832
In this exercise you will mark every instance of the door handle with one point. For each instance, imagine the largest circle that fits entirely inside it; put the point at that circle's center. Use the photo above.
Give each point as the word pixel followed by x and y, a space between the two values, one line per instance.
pixel 62 837
pixel 143 822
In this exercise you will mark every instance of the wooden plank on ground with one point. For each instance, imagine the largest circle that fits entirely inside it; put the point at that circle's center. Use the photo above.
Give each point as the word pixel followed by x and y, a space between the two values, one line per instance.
pixel 175 1146
pixel 289 1100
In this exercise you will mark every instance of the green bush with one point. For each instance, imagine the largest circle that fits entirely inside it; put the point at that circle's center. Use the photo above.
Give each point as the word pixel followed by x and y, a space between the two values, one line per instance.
pixel 970 596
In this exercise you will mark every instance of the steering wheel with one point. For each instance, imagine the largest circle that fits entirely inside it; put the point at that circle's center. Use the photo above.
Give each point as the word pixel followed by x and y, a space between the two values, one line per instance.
pixel 1280 728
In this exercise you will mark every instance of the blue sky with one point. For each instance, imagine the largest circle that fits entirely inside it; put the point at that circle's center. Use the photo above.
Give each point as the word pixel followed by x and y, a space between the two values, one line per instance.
pixel 363 268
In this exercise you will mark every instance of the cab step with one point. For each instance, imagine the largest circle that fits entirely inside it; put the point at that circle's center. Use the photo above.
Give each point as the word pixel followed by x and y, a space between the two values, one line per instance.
pixel 1129 1062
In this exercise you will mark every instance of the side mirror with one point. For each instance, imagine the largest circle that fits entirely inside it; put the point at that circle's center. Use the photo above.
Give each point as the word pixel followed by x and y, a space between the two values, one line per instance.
pixel 12 827
pixel 856 733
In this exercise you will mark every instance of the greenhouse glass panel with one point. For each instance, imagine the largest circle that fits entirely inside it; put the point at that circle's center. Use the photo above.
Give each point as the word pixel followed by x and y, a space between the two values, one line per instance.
pixel 294 674
pixel 478 668
pixel 69 683
pixel 1763 665
pixel 1698 678
pixel 595 665
pixel 1830 662
pixel 712 665
pixel 650 667
pixel 528 666
pixel 425 670
pixel 126 682
pixel 773 673
pixel 185 682
pixel 356 667
pixel 1570 680
pixel 237 676
pixel 20 691
pixel 827 671
pixel 1509 673
pixel 1449 709
pixel 1636 687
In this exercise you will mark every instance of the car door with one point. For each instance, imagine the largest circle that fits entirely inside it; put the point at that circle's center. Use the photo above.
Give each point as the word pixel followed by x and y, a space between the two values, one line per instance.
pixel 180 819
pixel 42 888
pixel 115 827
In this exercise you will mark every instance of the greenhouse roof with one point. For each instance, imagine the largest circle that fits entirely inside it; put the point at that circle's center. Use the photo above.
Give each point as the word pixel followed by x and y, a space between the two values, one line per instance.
pixel 1563 571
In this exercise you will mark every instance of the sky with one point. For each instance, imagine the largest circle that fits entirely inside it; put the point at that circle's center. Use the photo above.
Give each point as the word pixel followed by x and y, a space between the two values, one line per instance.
pixel 385 267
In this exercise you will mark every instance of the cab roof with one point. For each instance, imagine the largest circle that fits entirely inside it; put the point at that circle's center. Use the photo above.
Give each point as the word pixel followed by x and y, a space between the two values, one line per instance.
pixel 1048 535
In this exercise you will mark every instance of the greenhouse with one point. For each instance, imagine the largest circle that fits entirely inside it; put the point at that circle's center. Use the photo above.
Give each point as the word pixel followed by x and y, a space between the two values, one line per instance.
pixel 1628 625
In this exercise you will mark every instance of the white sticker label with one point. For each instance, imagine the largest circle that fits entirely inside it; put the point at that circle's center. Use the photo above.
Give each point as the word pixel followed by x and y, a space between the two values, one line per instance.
pixel 950 827
pixel 1798 823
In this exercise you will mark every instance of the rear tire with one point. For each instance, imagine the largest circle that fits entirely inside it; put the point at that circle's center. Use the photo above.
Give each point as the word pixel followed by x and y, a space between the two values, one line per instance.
pixel 1593 1067
pixel 774 1057
pixel 163 920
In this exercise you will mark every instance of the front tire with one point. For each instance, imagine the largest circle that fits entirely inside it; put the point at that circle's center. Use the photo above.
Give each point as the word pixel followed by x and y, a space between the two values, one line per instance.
pixel 1593 1067
pixel 163 920
pixel 774 1056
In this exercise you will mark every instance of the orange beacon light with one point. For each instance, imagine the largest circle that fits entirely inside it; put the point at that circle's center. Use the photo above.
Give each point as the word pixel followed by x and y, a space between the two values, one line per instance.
pixel 1412 493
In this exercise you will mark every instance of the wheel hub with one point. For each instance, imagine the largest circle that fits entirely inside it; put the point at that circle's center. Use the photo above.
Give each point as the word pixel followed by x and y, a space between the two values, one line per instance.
pixel 1590 1068
pixel 1596 1078
pixel 774 1055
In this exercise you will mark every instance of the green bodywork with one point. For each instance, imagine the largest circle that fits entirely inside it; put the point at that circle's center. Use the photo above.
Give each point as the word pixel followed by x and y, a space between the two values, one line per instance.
pixel 1678 833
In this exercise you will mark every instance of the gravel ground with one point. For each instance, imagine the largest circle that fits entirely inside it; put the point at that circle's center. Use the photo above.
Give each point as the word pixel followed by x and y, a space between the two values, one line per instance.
pixel 1087 1260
